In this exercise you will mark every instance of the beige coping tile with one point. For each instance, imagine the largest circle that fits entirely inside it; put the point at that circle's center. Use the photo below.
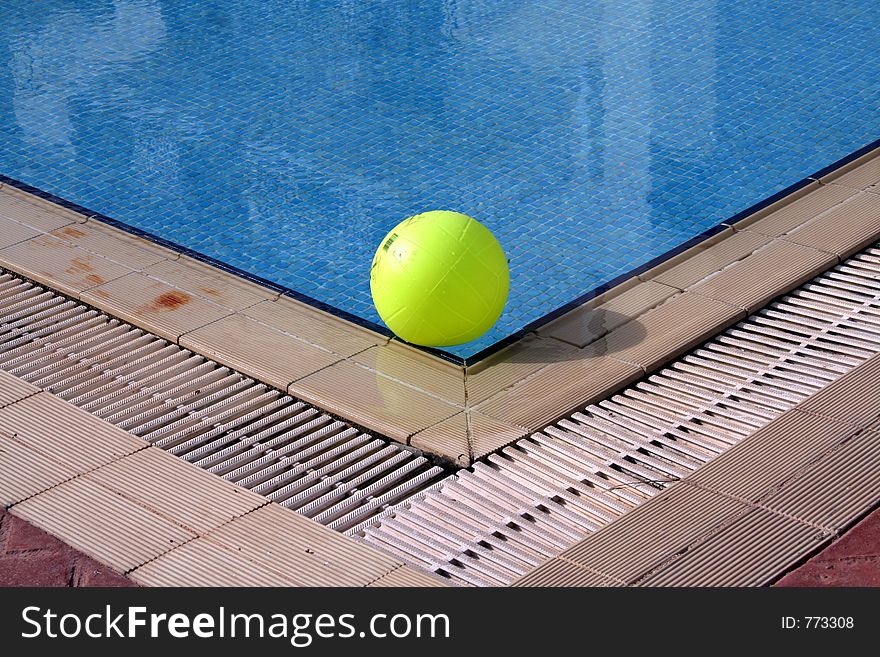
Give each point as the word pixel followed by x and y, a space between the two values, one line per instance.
pixel 12 232
pixel 173 488
pixel 404 576
pixel 764 461
pixel 34 211
pixel 587 324
pixel 752 551
pixel 305 551
pixel 792 211
pixel 874 426
pixel 114 244
pixel 417 369
pixel 664 332
pixel 559 573
pixel 853 398
pixel 206 281
pixel 843 231
pixel 770 272
pixel 315 326
pixel 60 265
pixel 66 433
pixel 257 350
pixel 204 563
pixel 104 525
pixel 12 389
pixel 453 438
pixel 372 400
pixel 859 174
pixel 559 388
pixel 712 259
pixel 447 438
pixel 154 305
pixel 837 489
pixel 489 434
pixel 25 472
pixel 684 256
pixel 654 532
pixel 520 360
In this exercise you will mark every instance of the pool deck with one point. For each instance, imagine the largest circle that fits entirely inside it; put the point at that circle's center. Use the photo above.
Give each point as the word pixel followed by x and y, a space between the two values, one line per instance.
pixel 31 557
pixel 787 490
pixel 221 534
pixel 457 412
pixel 744 519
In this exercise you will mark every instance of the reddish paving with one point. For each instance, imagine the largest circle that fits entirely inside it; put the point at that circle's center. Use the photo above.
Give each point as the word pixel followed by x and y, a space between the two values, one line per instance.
pixel 851 560
pixel 31 557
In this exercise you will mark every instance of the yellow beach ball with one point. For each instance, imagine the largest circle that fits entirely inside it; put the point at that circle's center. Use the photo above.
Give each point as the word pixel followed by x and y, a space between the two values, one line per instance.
pixel 439 279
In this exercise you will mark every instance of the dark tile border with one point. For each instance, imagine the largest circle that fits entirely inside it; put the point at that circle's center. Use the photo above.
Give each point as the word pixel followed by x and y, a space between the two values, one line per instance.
pixel 439 353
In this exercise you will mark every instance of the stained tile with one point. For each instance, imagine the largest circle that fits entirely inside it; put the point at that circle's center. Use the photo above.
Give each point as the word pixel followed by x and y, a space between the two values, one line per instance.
pixel 155 306
pixel 59 264
pixel 113 244
pixel 209 282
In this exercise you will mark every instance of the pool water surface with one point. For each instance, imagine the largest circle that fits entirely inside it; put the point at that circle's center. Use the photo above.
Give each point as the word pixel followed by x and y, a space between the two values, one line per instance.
pixel 286 138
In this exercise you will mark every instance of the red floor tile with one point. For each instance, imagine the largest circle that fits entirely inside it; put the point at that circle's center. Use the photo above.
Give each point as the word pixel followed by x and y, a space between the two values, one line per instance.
pixel 851 560
pixel 31 557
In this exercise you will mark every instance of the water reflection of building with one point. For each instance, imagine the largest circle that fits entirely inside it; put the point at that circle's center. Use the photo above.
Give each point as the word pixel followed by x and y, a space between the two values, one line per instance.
pixel 65 54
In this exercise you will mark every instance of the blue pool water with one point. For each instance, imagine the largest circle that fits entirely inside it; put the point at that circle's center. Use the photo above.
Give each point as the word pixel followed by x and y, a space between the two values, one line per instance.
pixel 287 137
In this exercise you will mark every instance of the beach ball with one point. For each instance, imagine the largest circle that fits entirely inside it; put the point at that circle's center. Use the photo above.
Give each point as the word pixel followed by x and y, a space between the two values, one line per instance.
pixel 439 278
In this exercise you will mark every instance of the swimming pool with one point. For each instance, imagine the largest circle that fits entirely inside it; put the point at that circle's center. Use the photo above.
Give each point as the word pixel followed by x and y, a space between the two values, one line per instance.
pixel 286 138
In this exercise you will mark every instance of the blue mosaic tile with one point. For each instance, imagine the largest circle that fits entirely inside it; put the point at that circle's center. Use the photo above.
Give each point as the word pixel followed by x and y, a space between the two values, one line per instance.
pixel 286 138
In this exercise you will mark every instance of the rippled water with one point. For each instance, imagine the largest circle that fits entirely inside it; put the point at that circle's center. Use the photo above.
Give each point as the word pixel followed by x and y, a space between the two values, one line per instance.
pixel 286 138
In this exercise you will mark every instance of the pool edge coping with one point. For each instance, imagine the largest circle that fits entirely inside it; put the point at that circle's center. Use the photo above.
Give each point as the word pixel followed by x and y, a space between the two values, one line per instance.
pixel 459 412
pixel 834 169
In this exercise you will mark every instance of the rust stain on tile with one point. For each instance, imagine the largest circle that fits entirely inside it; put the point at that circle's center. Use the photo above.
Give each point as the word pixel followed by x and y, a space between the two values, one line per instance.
pixel 79 266
pixel 209 283
pixel 166 301
pixel 72 232
pixel 49 242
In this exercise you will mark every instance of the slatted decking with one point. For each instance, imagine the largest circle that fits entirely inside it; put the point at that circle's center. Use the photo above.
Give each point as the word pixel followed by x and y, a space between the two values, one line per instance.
pixel 249 433
pixel 543 494
pixel 511 512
